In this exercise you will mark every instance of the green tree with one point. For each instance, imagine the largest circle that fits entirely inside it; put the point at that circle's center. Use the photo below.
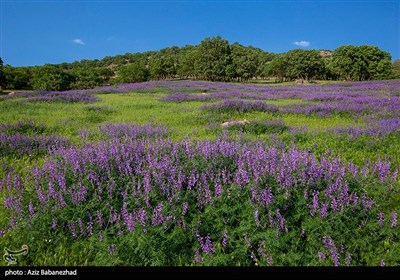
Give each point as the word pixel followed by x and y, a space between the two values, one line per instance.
pixel 2 77
pixel 361 63
pixel 396 68
pixel 17 77
pixel 164 63
pixel 276 68
pixel 186 63
pixel 85 77
pixel 304 64
pixel 51 77
pixel 132 73
pixel 245 61
pixel 213 59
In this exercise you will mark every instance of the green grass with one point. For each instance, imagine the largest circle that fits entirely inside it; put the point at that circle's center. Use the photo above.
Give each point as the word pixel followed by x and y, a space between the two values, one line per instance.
pixel 187 118
pixel 182 119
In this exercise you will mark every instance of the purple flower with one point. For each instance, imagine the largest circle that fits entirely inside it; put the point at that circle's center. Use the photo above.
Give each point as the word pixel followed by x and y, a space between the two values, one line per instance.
pixel 321 256
pixel 197 257
pixel 184 208
pixel 157 218
pixel 330 246
pixel 324 210
pixel 31 211
pixel 393 216
pixel 224 239
pixel 380 218
pixel 54 224
pixel 246 239
pixel 80 224
pixel 99 218
pixel 382 263
pixel 71 226
pixel 348 259
pixel 256 218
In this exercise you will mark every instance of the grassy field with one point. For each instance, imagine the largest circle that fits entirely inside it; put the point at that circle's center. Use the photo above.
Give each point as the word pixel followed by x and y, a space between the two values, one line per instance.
pixel 361 142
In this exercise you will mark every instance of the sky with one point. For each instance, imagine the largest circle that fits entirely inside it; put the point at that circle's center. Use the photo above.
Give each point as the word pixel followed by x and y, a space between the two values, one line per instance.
pixel 55 31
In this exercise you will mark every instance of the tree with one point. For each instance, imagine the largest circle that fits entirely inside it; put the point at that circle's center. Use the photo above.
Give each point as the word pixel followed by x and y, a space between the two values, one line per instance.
pixel 85 77
pixel 361 63
pixel 164 63
pixel 245 61
pixel 213 59
pixel 304 64
pixel 396 68
pixel 2 77
pixel 17 77
pixel 132 73
pixel 276 68
pixel 50 77
pixel 187 60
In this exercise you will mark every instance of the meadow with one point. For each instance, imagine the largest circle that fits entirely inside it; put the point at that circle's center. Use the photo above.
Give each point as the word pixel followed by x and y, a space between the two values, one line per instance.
pixel 187 173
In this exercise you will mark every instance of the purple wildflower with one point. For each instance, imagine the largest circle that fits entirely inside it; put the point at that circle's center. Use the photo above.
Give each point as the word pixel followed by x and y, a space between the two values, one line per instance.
pixel 54 224
pixel 99 218
pixel 184 208
pixel 247 241
pixel 324 210
pixel 393 216
pixel 380 218
pixel 224 239
pixel 348 259
pixel 197 257
pixel 321 256
pixel 31 211
pixel 256 218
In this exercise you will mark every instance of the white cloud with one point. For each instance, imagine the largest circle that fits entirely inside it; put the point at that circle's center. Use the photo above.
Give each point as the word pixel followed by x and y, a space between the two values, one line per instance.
pixel 79 42
pixel 303 44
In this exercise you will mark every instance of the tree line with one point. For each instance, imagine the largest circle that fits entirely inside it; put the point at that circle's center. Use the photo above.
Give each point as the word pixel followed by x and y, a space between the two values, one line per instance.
pixel 214 59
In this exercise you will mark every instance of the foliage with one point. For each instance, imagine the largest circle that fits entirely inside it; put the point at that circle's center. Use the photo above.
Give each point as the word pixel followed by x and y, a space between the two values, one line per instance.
pixel 361 63
pixel 50 77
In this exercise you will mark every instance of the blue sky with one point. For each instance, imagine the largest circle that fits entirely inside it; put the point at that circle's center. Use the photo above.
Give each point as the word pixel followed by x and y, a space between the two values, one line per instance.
pixel 55 31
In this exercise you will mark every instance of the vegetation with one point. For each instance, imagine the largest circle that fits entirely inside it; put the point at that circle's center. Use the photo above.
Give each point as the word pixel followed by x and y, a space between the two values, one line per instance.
pixel 214 59
pixel 148 174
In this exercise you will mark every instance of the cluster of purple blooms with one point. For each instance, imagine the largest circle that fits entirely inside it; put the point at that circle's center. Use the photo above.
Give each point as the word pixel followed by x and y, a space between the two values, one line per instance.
pixel 237 105
pixel 56 96
pixel 26 138
pixel 143 183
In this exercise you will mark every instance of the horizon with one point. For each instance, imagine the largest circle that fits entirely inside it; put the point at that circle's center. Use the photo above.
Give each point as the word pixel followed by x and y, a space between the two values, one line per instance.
pixel 87 30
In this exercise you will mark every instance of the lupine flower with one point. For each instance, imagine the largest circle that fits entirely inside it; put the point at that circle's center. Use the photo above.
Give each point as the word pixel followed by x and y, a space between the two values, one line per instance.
pixel 224 239
pixel 321 256
pixel 393 216
pixel 80 224
pixel 380 218
pixel 197 257
pixel 54 224
pixel 31 211
pixel 348 259
pixel 247 241
pixel 256 218
pixel 330 246
pixel 71 226
pixel 99 219
pixel 184 208
pixel 323 211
